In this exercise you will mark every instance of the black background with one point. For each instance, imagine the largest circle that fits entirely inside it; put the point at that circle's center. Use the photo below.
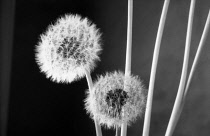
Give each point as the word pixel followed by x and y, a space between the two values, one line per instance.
pixel 39 107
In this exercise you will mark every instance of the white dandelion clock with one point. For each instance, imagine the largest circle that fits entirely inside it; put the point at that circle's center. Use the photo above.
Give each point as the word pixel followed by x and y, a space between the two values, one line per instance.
pixel 68 48
pixel 112 102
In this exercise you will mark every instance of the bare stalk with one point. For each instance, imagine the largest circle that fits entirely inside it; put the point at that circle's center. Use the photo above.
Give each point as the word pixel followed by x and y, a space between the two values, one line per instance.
pixel 90 85
pixel 177 106
pixel 198 53
pixel 147 117
pixel 195 62
pixel 128 54
pixel 117 131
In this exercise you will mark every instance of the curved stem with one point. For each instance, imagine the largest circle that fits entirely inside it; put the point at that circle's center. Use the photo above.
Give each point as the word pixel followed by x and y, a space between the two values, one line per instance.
pixel 177 106
pixel 147 117
pixel 198 53
pixel 90 85
pixel 195 62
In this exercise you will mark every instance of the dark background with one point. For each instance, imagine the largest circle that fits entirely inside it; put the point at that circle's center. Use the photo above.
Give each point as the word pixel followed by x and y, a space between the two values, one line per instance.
pixel 39 107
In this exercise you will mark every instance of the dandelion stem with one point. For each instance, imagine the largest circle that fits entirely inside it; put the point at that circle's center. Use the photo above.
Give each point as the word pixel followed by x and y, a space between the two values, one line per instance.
pixel 117 131
pixel 129 38
pixel 194 66
pixel 153 69
pixel 128 54
pixel 90 85
pixel 198 53
pixel 177 106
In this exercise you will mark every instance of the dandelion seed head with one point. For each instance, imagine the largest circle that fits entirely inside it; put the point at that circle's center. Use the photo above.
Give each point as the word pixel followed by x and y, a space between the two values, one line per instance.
pixel 116 99
pixel 68 48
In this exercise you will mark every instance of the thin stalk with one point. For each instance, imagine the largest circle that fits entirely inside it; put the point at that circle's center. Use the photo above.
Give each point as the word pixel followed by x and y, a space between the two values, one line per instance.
pixel 117 131
pixel 195 63
pixel 128 54
pixel 153 69
pixel 129 39
pixel 177 106
pixel 90 85
pixel 198 53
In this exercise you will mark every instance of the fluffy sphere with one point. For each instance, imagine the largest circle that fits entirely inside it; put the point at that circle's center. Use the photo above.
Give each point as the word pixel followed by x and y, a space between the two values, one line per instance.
pixel 68 48
pixel 116 99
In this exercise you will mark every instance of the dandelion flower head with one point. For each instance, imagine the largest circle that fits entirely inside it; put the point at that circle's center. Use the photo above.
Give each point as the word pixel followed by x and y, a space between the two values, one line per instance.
pixel 116 99
pixel 68 48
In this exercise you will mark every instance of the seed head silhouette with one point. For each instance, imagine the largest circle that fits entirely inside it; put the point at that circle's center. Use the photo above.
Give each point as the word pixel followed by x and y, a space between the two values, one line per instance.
pixel 116 99
pixel 68 48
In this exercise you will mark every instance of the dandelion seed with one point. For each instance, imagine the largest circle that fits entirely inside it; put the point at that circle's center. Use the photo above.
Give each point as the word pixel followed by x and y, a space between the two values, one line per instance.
pixel 68 48
pixel 110 98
